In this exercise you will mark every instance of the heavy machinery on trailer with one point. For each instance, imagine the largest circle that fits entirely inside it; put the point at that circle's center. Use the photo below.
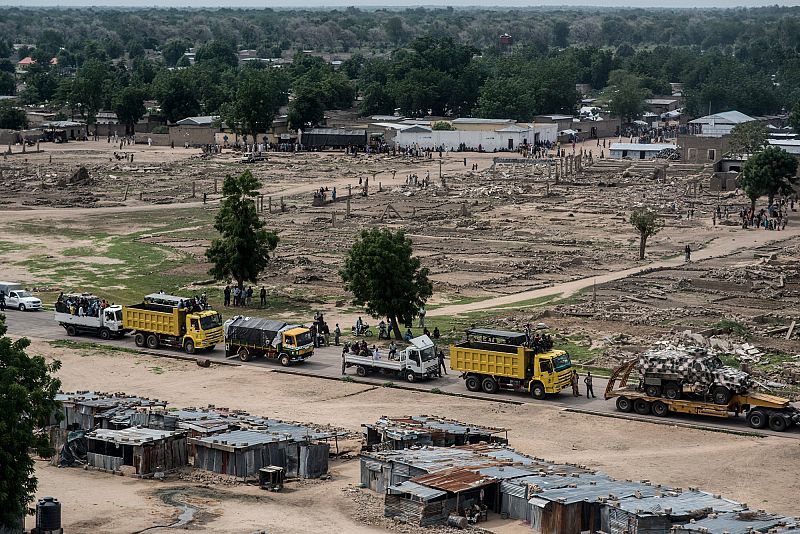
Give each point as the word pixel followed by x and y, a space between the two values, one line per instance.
pixel 248 337
pixel 417 362
pixel 491 360
pixel 690 372
pixel 103 322
pixel 170 321
pixel 761 410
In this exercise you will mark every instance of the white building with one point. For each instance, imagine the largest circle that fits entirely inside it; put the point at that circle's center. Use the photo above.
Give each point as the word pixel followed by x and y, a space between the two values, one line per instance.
pixel 719 124
pixel 507 137
pixel 637 150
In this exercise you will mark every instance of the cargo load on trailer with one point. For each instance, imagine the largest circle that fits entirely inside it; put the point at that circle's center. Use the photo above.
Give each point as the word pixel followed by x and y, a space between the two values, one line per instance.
pixel 87 313
pixel 628 387
pixel 690 372
pixel 248 337
pixel 491 360
pixel 173 322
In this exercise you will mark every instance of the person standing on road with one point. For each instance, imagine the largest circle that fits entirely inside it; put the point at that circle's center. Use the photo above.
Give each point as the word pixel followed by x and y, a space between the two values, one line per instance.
pixel 2 300
pixel 575 391
pixel 688 252
pixel 336 333
pixel 344 355
pixel 442 367
pixel 263 297
pixel 588 382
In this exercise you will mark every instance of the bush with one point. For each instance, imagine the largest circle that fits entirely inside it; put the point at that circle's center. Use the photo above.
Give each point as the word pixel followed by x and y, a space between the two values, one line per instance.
pixel 161 130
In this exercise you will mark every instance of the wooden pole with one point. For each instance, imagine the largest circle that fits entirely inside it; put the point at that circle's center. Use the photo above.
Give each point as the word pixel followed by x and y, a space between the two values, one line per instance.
pixel 125 197
pixel 194 189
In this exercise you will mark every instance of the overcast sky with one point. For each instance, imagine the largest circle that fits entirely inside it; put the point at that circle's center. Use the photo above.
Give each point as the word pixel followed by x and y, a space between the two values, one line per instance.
pixel 400 3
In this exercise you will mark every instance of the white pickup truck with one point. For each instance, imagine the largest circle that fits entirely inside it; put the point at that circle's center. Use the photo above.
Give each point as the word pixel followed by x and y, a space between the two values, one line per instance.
pixel 18 298
pixel 417 362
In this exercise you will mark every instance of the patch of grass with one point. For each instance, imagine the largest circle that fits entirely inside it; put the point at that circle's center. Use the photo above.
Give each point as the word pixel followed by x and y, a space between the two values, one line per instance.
pixel 733 327
pixel 9 246
pixel 80 251
pixel 347 379
pixel 578 347
pixel 436 391
pixel 156 370
pixel 388 385
pixel 88 345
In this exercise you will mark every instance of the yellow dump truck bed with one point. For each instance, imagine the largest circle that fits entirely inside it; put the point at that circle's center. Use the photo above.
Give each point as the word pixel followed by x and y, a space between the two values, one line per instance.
pixel 138 318
pixel 488 359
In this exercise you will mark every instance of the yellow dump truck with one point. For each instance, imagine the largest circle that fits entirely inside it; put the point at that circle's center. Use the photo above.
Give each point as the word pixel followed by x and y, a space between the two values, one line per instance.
pixel 170 321
pixel 491 360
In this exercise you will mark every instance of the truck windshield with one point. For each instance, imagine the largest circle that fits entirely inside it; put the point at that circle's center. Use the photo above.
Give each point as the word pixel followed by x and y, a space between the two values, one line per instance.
pixel 428 354
pixel 562 362
pixel 303 339
pixel 210 321
pixel 23 294
pixel 118 315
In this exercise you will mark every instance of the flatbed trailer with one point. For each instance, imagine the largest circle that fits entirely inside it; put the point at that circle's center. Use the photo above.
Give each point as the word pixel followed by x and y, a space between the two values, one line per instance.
pixel 760 409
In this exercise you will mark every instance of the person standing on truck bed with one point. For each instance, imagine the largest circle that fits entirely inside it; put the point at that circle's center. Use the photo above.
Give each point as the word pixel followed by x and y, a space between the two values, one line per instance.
pixel 588 382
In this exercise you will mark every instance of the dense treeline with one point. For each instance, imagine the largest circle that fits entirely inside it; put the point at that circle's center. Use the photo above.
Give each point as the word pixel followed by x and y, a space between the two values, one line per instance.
pixel 440 61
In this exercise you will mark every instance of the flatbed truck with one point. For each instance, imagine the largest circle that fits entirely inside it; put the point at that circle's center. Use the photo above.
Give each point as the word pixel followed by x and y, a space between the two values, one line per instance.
pixel 761 410
pixel 491 360
pixel 249 337
pixel 167 320
pixel 106 324
pixel 417 362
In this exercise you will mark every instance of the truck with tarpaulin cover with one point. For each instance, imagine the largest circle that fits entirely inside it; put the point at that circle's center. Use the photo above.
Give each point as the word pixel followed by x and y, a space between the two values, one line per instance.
pixel 171 321
pixel 248 337
pixel 491 360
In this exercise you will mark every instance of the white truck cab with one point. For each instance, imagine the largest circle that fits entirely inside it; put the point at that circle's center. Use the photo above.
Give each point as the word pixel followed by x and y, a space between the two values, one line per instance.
pixel 417 362
pixel 18 298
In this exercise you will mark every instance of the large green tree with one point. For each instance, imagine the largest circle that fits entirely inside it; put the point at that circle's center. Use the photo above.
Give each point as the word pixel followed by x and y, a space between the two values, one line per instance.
pixel 12 118
pixel 259 95
pixel 307 108
pixel 241 251
pixel 625 95
pixel 176 96
pixel 747 138
pixel 173 50
pixel 129 106
pixel 770 172
pixel 89 88
pixel 648 224
pixel 384 276
pixel 27 401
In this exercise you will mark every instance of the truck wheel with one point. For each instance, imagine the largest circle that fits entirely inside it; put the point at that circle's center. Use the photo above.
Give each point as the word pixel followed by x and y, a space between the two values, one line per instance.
pixel 105 333
pixel 641 406
pixel 489 385
pixel 653 390
pixel 473 383
pixel 537 391
pixel 152 342
pixel 139 340
pixel 21 307
pixel 624 404
pixel 361 371
pixel 757 419
pixel 71 331
pixel 189 347
pixel 778 423
pixel 411 377
pixel 660 409
pixel 284 359
pixel 244 354
pixel 721 395
pixel 672 391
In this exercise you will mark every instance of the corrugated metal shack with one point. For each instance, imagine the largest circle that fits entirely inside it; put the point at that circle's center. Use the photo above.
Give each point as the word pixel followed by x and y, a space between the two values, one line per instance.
pixel 516 492
pixel 419 430
pixel 418 505
pixel 577 508
pixel 87 410
pixel 656 515
pixel 146 449
pixel 301 451
pixel 739 523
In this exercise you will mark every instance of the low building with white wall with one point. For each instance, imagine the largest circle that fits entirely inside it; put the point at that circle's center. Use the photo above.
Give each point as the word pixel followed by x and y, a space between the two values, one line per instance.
pixel 508 137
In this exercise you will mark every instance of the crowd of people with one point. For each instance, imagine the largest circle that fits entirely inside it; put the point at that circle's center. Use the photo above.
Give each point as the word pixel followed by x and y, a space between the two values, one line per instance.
pixel 81 305
pixel 241 297
pixel 775 218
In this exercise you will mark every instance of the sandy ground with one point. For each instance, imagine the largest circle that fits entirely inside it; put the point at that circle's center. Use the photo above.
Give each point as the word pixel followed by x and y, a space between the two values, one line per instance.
pixel 760 471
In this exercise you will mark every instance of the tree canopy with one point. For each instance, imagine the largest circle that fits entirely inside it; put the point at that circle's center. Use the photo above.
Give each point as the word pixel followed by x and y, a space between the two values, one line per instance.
pixel 11 117
pixel 747 138
pixel 27 402
pixel 625 95
pixel 259 95
pixel 769 172
pixel 128 104
pixel 241 251
pixel 648 224
pixel 383 276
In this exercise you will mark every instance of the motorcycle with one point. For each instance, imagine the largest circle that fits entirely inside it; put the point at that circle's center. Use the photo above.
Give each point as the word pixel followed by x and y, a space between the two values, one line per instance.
pixel 365 331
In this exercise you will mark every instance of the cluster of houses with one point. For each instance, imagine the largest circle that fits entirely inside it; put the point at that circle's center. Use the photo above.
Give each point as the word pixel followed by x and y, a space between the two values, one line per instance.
pixel 143 437
pixel 429 470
